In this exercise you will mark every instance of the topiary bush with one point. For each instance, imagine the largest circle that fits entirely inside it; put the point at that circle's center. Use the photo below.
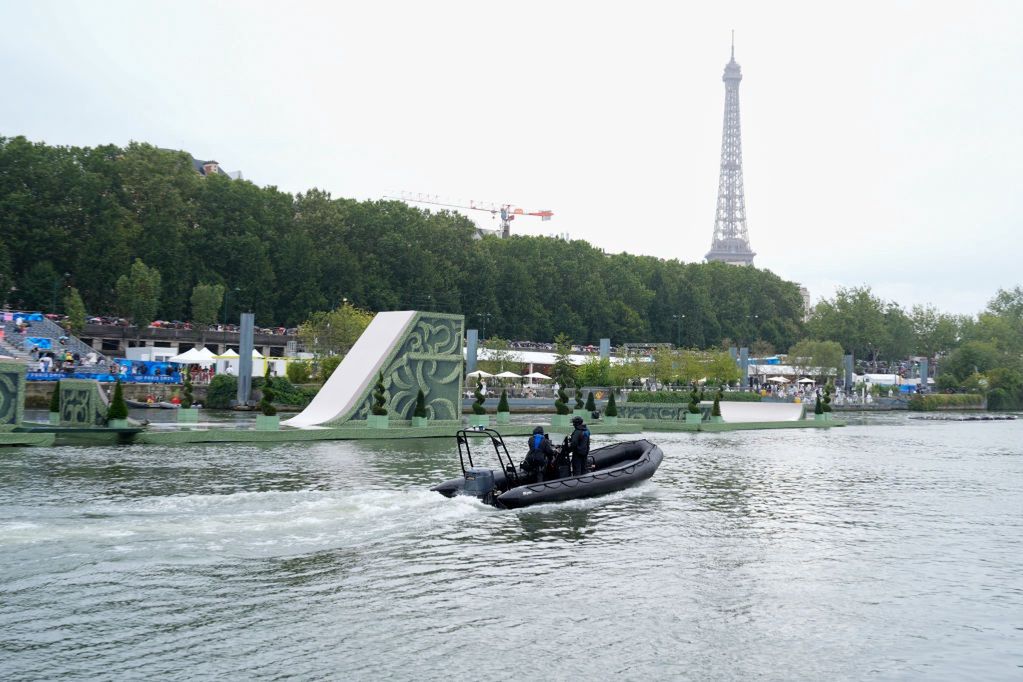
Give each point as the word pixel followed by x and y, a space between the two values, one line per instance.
pixel 675 397
pixel 578 398
pixel 55 399
pixel 477 406
pixel 716 410
pixel 828 388
pixel 818 407
pixel 118 408
pixel 266 400
pixel 502 404
pixel 590 405
pixel 222 390
pixel 420 410
pixel 561 404
pixel 186 393
pixel 379 396
pixel 611 410
pixel 694 401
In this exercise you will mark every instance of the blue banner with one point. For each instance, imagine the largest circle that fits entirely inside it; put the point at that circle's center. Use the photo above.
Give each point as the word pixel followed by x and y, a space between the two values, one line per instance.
pixel 106 378
pixel 147 371
pixel 40 342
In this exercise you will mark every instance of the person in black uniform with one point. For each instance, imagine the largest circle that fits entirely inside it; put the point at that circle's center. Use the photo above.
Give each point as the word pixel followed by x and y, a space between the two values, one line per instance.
pixel 579 446
pixel 541 452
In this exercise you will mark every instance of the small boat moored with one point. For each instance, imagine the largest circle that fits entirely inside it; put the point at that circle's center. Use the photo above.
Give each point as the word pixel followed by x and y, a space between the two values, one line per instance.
pixel 611 468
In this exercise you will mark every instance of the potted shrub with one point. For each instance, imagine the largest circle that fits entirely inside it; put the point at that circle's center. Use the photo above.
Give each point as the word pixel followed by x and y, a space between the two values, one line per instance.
pixel 479 413
pixel 826 401
pixel 503 411
pixel 268 420
pixel 715 411
pixel 693 416
pixel 419 414
pixel 55 405
pixel 580 407
pixel 187 413
pixel 818 409
pixel 117 413
pixel 591 406
pixel 611 411
pixel 378 420
pixel 561 408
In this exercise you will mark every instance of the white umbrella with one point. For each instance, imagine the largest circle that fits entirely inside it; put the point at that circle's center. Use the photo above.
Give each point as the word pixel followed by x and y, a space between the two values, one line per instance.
pixel 537 375
pixel 805 380
pixel 778 380
pixel 479 374
pixel 508 375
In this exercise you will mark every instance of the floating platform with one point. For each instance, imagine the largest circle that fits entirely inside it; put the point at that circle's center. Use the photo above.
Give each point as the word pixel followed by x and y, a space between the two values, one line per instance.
pixel 21 439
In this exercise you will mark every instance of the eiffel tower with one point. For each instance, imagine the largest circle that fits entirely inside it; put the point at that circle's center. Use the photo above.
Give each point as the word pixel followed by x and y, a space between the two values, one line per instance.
pixel 731 240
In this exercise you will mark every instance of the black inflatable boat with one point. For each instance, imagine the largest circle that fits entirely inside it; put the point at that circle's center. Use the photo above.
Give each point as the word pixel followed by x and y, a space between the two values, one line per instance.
pixel 609 469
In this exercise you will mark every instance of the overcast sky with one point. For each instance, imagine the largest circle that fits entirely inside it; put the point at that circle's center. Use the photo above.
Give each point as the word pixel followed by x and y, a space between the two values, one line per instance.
pixel 881 140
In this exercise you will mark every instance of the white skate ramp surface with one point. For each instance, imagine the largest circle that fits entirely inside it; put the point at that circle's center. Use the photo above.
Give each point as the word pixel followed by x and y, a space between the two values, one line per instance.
pixel 760 412
pixel 347 385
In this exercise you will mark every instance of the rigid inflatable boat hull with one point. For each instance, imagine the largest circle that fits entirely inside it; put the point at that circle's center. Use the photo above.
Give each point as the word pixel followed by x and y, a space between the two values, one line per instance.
pixel 616 467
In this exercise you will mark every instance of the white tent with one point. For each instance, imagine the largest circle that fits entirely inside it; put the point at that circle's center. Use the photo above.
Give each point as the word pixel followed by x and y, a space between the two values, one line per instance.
pixel 806 380
pixel 479 374
pixel 228 354
pixel 778 380
pixel 191 357
pixel 537 375
pixel 207 353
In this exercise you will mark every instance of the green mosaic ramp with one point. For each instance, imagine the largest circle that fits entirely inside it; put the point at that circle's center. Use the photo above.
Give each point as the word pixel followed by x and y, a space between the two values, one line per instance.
pixel 82 403
pixel 423 351
pixel 12 394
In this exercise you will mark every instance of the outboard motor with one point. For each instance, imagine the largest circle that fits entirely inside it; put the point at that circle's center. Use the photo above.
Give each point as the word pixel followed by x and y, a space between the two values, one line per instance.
pixel 479 482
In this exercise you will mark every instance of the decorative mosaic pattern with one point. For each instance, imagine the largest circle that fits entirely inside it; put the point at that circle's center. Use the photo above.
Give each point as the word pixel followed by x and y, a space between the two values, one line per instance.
pixel 81 403
pixel 653 411
pixel 428 357
pixel 12 393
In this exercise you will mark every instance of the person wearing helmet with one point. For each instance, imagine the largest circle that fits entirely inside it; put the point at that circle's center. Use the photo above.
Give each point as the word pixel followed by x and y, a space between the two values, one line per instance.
pixel 541 452
pixel 579 446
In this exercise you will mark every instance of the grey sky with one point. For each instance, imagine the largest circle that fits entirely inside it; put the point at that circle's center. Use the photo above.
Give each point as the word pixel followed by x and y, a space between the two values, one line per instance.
pixel 881 140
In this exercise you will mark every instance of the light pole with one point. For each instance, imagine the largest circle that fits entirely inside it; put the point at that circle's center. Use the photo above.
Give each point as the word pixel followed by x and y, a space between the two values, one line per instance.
pixel 678 327
pixel 484 317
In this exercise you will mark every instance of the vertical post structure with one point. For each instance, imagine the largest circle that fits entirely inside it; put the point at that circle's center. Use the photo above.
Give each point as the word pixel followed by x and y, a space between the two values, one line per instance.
pixel 605 349
pixel 472 343
pixel 847 362
pixel 731 239
pixel 245 359
pixel 923 375
pixel 744 365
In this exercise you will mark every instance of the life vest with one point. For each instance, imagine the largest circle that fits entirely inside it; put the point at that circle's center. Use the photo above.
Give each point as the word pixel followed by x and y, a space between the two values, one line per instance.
pixel 536 442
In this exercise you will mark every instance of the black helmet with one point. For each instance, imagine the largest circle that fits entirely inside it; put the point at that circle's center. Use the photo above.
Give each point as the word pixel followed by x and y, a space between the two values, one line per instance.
pixel 577 420
pixel 538 430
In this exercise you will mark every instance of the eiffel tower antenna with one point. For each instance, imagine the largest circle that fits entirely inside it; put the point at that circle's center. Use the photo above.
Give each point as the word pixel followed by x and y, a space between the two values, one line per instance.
pixel 731 240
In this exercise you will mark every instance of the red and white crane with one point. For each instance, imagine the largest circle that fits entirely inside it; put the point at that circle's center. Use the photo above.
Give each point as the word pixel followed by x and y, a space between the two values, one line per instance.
pixel 507 212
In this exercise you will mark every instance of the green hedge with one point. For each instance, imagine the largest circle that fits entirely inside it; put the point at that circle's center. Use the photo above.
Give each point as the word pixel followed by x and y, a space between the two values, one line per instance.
pixel 682 397
pixel 945 401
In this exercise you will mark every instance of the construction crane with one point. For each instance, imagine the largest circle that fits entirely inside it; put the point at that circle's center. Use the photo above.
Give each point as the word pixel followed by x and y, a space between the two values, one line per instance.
pixel 508 212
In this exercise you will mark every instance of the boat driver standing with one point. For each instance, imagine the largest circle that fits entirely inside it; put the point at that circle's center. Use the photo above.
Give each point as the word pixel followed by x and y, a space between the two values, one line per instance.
pixel 540 453
pixel 579 446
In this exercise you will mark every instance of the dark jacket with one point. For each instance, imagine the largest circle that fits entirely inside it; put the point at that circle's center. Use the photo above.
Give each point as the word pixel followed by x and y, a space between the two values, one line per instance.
pixel 579 443
pixel 540 449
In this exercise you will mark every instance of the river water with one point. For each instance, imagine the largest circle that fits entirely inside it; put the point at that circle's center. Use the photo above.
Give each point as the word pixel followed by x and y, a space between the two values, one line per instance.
pixel 889 549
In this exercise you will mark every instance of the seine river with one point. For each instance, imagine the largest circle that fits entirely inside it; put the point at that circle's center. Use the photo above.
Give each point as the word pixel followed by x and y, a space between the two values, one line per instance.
pixel 889 549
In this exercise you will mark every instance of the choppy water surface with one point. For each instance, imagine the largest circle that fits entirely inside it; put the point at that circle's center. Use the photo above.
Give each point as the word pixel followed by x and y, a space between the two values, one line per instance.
pixel 889 549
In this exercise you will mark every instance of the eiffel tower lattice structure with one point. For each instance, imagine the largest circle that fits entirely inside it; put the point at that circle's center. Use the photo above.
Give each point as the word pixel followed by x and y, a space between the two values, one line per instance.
pixel 731 240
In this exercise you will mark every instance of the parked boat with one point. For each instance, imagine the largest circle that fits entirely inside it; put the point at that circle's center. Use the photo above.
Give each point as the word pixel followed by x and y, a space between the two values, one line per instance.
pixel 610 469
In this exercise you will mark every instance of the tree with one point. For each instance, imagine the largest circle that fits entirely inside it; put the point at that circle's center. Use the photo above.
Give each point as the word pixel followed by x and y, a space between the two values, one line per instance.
pixel 694 400
pixel 855 318
pixel 595 372
pixel 721 368
pixel 420 410
pixel 6 273
pixel 477 405
pixel 591 406
pixel 266 400
pixel 379 396
pixel 118 407
pixel 186 390
pixel 818 358
pixel 74 308
pixel 221 392
pixel 563 370
pixel 561 403
pixel 611 410
pixel 578 398
pixel 138 294
pixel 715 411
pixel 502 404
pixel 334 332
pixel 207 300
